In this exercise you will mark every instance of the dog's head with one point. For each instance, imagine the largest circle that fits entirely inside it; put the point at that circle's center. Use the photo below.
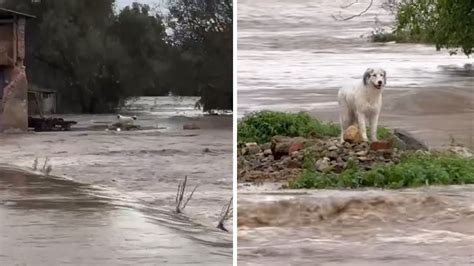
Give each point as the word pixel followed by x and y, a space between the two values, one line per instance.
pixel 376 77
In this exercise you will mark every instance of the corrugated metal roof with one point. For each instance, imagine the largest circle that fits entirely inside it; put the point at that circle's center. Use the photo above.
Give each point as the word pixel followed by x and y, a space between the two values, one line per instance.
pixel 4 12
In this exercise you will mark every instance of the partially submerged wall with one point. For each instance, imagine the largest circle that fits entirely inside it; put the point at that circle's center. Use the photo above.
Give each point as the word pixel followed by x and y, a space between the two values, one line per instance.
pixel 14 107
pixel 14 102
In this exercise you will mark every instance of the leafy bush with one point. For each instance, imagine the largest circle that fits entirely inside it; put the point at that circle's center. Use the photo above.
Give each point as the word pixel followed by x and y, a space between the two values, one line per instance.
pixel 413 170
pixel 261 126
pixel 447 24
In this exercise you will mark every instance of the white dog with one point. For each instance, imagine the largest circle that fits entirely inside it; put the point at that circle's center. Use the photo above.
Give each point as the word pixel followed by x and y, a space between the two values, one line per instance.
pixel 126 119
pixel 362 101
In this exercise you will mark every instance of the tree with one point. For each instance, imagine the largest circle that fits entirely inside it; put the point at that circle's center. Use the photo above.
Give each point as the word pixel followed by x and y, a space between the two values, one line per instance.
pixel 202 33
pixel 446 23
pixel 97 58
pixel 143 36
pixel 68 43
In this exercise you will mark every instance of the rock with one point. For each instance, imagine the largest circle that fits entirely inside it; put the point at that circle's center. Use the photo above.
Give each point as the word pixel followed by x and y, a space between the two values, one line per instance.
pixel 294 154
pixel 380 145
pixel 352 135
pixel 398 143
pixel 251 148
pixel 190 126
pixel 267 152
pixel 361 153
pixel 296 146
pixel 347 145
pixel 462 151
pixel 332 154
pixel 323 164
pixel 332 148
pixel 293 164
pixel 281 145
pixel 266 146
pixel 410 141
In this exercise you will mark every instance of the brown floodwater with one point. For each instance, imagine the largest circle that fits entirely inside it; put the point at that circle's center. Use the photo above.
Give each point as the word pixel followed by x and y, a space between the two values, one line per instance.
pixel 293 56
pixel 55 221
pixel 426 226
pixel 110 196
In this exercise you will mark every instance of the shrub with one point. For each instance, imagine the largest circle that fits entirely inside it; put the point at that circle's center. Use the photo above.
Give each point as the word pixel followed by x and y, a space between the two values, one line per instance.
pixel 261 126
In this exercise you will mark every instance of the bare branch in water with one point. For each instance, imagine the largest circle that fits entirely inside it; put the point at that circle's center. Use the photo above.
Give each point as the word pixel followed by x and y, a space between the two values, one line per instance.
pixel 349 5
pixel 45 163
pixel 35 164
pixel 180 203
pixel 226 214
pixel 48 170
pixel 341 18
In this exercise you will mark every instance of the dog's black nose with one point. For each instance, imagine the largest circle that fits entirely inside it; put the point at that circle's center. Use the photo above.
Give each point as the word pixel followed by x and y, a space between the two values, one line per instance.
pixel 380 82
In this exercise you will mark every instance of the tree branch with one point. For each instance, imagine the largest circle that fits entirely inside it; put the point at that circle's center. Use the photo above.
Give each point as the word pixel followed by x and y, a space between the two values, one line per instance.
pixel 341 18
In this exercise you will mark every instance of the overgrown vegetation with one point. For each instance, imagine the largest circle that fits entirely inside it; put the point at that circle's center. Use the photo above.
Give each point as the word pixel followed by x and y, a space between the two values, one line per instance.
pixel 261 126
pixel 414 169
pixel 97 56
pixel 447 24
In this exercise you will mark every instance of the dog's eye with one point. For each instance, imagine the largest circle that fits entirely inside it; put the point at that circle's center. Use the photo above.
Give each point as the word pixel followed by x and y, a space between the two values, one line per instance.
pixel 374 75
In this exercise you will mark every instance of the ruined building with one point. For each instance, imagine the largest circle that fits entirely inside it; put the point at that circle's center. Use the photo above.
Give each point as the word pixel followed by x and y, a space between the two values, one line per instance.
pixel 13 82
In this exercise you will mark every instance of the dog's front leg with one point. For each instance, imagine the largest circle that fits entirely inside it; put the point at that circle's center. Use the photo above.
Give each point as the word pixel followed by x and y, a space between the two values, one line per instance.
pixel 374 123
pixel 362 128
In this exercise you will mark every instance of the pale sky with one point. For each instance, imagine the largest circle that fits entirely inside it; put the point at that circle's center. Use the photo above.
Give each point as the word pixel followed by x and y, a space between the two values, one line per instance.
pixel 122 3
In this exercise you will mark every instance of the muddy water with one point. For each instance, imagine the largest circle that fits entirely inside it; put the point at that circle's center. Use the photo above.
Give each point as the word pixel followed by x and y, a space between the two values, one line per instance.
pixel 48 221
pixel 430 226
pixel 112 202
pixel 293 56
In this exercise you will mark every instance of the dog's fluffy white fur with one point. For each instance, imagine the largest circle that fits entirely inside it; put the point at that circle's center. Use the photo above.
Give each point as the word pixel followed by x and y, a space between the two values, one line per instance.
pixel 361 102
pixel 126 119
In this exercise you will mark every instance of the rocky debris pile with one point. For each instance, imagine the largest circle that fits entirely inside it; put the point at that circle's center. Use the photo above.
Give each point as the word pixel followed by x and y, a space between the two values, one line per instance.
pixel 331 155
pixel 257 163
pixel 283 159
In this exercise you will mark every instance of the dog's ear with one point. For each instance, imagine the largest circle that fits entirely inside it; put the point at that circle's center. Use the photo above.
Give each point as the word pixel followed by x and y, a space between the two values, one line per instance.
pixel 384 77
pixel 367 75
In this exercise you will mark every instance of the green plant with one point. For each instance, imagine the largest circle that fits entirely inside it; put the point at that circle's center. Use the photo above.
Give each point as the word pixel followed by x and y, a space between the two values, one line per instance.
pixel 447 24
pixel 414 170
pixel 261 126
